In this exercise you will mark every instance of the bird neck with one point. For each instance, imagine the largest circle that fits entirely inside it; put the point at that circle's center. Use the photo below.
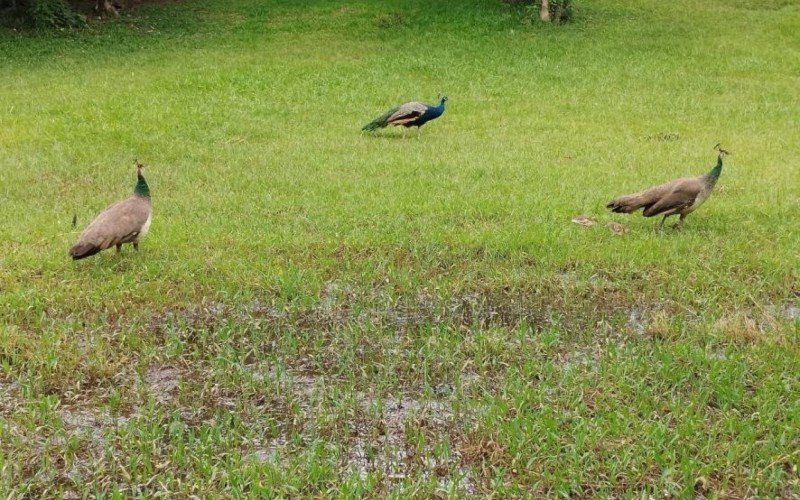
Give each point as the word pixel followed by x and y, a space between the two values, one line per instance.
pixel 716 171
pixel 141 188
pixel 435 111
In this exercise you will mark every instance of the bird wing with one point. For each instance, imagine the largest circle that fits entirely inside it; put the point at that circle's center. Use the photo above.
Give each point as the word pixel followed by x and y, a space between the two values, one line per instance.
pixel 682 195
pixel 631 202
pixel 659 199
pixel 407 112
pixel 121 222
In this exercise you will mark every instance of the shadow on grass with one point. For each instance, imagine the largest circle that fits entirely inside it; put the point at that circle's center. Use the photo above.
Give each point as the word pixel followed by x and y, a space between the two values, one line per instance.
pixel 392 136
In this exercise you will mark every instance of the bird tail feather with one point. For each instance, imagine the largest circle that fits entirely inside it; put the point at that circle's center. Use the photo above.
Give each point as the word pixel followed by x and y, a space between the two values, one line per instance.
pixel 633 202
pixel 379 122
pixel 626 204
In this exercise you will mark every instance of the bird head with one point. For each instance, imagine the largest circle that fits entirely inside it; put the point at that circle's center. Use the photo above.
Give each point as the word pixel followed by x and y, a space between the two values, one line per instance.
pixel 139 167
pixel 442 97
pixel 722 153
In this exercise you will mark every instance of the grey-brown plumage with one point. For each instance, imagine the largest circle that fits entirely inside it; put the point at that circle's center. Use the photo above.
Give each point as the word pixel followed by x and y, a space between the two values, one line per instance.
pixel 125 221
pixel 679 197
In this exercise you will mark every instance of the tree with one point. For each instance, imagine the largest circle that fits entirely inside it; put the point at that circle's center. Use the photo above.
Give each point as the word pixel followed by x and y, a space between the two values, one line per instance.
pixel 556 11
pixel 544 11
pixel 550 11
pixel 107 7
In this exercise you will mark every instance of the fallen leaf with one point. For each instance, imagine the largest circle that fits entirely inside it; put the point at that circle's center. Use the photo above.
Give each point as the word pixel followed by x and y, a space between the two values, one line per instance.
pixel 617 228
pixel 583 221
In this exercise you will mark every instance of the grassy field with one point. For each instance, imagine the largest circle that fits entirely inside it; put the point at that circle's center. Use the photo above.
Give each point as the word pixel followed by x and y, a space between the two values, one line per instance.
pixel 319 312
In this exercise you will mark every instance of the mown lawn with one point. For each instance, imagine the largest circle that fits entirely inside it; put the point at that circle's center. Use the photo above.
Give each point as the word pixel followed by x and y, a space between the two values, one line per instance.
pixel 318 312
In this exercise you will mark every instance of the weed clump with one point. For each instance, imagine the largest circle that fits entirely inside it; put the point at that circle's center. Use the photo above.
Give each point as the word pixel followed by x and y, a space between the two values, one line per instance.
pixel 390 20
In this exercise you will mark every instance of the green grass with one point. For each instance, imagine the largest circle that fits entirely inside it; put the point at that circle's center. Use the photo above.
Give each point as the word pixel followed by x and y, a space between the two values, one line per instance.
pixel 317 312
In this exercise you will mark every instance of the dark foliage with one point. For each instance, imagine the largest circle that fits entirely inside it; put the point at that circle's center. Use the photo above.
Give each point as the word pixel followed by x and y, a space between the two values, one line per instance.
pixel 41 13
pixel 560 10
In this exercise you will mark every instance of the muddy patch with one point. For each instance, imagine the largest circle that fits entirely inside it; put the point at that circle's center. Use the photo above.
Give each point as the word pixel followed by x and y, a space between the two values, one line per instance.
pixel 88 424
pixel 570 303
pixel 388 440
pixel 580 360
pixel 267 450
pixel 8 399
pixel 636 321
pixel 790 311
pixel 162 381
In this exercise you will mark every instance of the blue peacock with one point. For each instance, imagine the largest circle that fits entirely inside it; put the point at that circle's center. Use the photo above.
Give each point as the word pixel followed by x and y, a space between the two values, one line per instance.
pixel 410 114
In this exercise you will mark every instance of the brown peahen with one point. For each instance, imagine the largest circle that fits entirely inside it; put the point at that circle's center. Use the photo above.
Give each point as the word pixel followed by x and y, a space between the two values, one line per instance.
pixel 125 221
pixel 679 197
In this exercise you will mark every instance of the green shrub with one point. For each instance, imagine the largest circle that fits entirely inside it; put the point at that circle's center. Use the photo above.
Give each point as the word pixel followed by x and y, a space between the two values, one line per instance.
pixel 560 10
pixel 50 14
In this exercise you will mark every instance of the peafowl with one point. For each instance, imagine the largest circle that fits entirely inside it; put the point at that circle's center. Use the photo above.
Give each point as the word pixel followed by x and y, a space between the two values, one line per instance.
pixel 125 221
pixel 679 197
pixel 410 114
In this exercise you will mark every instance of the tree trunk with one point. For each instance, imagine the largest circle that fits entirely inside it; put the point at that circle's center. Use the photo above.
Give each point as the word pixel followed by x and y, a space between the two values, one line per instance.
pixel 105 7
pixel 544 11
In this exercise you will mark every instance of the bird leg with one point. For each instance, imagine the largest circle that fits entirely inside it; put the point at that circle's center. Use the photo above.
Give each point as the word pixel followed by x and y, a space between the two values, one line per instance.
pixel 119 247
pixel 419 132
pixel 404 132
pixel 661 224
pixel 136 246
pixel 679 224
